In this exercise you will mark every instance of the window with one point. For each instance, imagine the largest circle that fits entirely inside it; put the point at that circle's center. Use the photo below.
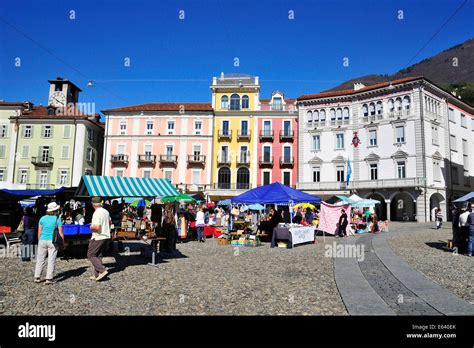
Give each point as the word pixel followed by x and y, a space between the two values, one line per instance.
pixel 90 154
pixel 451 115
pixel 465 155
pixel 365 110
pixel 170 127
pixel 267 151
pixel 65 152
pixel 379 108
pixel 245 102
pixel 58 87
pixel 224 102
pixel 47 130
pixel 400 134
pixel 406 103
pixel 169 152
pixel 316 143
pixel 3 131
pixel 398 104
pixel 452 142
pixel 266 178
pixel 339 113
pixel 401 172
pixel 372 109
pixel 225 128
pixel 244 127
pixel 322 115
pixel 277 104
pixel 391 105
pixel 3 150
pixel 224 154
pixel 23 176
pixel 25 151
pixel 2 174
pixel 223 178
pixel 345 113
pixel 436 171
pixel 119 172
pixel 123 127
pixel 43 179
pixel 196 177
pixel 340 141
pixel 44 153
pixel 88 172
pixel 435 135
pixel 287 128
pixel 455 175
pixel 196 152
pixel 149 127
pixel 463 121
pixel 120 149
pixel 373 137
pixel 332 113
pixel 234 102
pixel 147 149
pixel 309 116
pixel 244 154
pixel 62 177
pixel 243 178
pixel 287 178
pixel 197 127
pixel 287 154
pixel 90 134
pixel 316 116
pixel 317 174
pixel 169 175
pixel 27 131
pixel 374 171
pixel 147 173
pixel 67 131
pixel 340 174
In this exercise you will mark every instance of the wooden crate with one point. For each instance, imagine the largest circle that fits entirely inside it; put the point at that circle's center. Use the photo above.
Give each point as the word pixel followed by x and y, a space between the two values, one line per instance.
pixel 127 234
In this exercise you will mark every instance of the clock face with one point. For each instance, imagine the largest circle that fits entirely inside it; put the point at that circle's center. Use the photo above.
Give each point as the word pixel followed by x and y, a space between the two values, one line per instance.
pixel 57 99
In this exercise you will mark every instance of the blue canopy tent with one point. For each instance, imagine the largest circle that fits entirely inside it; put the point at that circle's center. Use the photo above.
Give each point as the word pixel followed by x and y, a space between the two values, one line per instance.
pixel 275 193
pixel 20 194
pixel 224 202
pixel 256 207
pixel 465 198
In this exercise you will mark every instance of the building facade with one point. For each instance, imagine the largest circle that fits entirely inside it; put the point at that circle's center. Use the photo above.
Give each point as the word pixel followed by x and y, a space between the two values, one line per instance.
pixel 45 147
pixel 409 143
pixel 161 140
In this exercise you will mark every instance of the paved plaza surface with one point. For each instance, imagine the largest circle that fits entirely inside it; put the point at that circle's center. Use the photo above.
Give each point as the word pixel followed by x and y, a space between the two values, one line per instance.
pixel 403 272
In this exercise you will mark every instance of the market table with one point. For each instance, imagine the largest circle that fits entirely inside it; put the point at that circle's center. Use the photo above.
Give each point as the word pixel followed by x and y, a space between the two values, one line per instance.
pixel 294 235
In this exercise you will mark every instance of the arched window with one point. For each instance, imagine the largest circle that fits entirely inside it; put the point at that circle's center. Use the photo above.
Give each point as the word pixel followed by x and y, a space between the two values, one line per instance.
pixel 245 102
pixel 372 109
pixel 309 116
pixel 406 103
pixel 345 113
pixel 223 178
pixel 332 113
pixel 322 115
pixel 339 113
pixel 365 110
pixel 316 116
pixel 391 105
pixel 379 108
pixel 224 102
pixel 234 102
pixel 243 178
pixel 398 104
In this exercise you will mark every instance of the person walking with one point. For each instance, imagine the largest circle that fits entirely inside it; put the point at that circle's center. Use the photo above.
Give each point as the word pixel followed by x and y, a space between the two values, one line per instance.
pixel 470 221
pixel 200 223
pixel 464 231
pixel 46 249
pixel 439 219
pixel 100 227
pixel 28 236
pixel 342 225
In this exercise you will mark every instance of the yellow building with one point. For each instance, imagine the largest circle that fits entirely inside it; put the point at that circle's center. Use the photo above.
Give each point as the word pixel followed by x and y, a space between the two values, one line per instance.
pixel 235 98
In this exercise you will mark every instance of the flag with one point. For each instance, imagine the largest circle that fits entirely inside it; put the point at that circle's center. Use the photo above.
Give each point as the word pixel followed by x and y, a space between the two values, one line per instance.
pixel 349 171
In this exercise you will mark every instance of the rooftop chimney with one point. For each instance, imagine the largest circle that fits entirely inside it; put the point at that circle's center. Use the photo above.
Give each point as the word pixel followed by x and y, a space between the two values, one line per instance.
pixel 358 86
pixel 222 75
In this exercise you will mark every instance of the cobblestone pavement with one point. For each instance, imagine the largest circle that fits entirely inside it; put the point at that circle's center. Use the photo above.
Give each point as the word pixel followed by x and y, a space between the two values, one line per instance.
pixel 208 280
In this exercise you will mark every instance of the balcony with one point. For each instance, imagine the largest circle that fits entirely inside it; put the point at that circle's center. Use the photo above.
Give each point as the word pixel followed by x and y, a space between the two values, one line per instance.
pixel 224 134
pixel 147 159
pixel 287 135
pixel 41 186
pixel 287 161
pixel 42 161
pixel 265 161
pixel 244 158
pixel 243 134
pixel 168 159
pixel 119 159
pixel 362 184
pixel 231 186
pixel 223 160
pixel 399 113
pixel 266 135
pixel 196 159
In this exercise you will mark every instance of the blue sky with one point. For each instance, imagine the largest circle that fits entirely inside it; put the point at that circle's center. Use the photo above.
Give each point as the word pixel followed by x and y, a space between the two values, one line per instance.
pixel 298 56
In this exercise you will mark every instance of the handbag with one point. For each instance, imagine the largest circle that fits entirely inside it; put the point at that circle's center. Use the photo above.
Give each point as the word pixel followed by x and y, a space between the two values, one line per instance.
pixel 57 239
pixel 21 226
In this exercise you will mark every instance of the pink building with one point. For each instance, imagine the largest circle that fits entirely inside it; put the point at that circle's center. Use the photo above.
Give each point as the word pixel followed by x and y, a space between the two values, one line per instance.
pixel 277 145
pixel 160 140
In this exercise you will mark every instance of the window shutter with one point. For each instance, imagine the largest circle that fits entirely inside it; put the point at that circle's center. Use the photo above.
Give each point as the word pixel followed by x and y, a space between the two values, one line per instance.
pixel 2 151
pixel 67 131
pixel 65 152
pixel 25 151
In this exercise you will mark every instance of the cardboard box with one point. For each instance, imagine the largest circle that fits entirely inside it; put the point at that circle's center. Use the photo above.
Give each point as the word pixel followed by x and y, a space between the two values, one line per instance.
pixel 223 241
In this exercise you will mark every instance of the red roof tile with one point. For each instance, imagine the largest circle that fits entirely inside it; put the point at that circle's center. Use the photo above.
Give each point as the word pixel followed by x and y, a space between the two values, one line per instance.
pixel 164 107
pixel 351 91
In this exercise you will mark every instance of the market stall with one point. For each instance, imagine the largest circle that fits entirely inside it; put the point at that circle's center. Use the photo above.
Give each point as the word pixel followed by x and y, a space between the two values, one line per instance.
pixel 294 234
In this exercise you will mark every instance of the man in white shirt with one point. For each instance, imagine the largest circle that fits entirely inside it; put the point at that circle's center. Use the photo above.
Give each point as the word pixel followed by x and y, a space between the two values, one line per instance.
pixel 100 227
pixel 464 227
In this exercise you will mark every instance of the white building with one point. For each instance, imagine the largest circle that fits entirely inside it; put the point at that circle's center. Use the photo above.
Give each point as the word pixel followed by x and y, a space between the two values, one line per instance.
pixel 414 149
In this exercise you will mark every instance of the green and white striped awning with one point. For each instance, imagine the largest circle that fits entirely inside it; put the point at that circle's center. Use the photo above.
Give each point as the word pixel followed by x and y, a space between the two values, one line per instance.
pixel 115 186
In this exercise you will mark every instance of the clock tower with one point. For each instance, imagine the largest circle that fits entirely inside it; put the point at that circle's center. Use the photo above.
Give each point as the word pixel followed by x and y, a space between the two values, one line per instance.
pixel 62 92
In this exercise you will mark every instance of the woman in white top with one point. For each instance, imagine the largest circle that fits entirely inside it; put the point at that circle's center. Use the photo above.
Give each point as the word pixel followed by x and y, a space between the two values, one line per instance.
pixel 200 225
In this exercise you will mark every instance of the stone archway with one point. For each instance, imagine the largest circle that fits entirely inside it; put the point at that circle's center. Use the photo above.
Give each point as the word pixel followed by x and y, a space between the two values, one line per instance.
pixel 402 207
pixel 437 201
pixel 380 209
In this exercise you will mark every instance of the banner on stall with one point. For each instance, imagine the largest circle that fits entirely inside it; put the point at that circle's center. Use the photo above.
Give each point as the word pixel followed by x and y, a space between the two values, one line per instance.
pixel 329 218
pixel 302 235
